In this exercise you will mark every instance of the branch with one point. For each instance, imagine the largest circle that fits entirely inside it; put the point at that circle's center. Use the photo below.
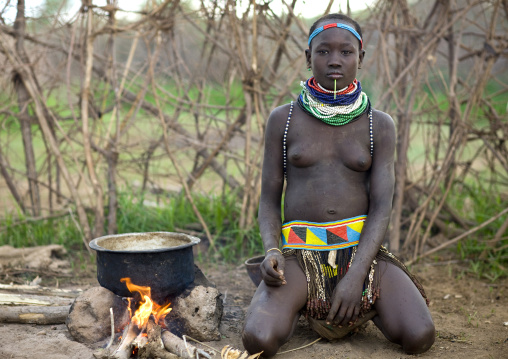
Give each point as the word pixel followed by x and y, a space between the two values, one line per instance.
pixel 458 238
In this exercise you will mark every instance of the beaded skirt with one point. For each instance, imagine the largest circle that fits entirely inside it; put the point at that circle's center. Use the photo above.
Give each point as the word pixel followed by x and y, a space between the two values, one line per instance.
pixel 322 278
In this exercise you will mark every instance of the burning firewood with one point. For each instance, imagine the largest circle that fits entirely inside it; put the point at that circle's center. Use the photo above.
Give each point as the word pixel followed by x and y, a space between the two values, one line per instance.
pixel 154 348
pixel 143 338
pixel 229 352
pixel 124 350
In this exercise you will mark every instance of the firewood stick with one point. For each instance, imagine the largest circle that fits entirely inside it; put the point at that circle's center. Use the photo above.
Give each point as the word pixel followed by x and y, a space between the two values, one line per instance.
pixel 175 345
pixel 124 349
pixel 34 314
pixel 112 329
pixel 31 289
pixel 153 330
pixel 154 348
pixel 141 340
pixel 31 299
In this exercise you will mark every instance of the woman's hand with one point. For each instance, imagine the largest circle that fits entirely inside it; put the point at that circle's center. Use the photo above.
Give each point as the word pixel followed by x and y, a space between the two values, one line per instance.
pixel 346 301
pixel 272 269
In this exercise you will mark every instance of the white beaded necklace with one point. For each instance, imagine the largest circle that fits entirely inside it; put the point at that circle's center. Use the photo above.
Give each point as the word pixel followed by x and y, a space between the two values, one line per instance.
pixel 326 110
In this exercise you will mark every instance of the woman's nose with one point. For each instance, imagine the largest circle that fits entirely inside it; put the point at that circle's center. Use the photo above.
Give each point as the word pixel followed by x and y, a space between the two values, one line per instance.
pixel 334 60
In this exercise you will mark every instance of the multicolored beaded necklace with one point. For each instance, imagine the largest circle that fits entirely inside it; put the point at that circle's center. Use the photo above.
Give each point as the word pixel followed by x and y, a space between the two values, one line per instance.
pixel 334 108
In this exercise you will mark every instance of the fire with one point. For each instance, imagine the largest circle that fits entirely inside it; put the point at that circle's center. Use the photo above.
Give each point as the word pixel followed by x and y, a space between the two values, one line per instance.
pixel 146 306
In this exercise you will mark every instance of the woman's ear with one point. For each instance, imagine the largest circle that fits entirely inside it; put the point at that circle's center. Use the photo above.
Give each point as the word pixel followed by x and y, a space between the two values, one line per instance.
pixel 360 58
pixel 308 57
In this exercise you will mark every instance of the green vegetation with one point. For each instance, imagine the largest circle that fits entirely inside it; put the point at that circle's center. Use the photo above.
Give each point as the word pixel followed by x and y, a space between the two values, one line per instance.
pixel 471 203
pixel 19 232
pixel 174 213
pixel 144 213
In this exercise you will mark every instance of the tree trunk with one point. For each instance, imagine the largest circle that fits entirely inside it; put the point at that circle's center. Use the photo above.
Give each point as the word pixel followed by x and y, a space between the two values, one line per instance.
pixel 97 187
pixel 24 116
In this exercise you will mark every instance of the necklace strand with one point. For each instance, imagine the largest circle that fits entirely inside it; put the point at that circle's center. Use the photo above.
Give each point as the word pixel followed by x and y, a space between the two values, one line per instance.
pixel 345 108
pixel 331 91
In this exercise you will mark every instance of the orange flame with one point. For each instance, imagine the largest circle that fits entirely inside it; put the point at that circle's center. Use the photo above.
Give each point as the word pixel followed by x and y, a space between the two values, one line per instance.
pixel 146 306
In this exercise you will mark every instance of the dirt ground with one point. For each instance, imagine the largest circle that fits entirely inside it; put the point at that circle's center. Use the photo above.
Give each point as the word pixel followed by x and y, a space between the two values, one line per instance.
pixel 471 318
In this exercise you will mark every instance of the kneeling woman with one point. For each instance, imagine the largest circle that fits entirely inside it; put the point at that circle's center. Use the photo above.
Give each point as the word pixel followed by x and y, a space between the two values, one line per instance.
pixel 337 155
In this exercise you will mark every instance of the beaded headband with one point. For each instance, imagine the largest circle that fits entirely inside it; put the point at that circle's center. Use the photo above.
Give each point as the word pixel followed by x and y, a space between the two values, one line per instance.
pixel 340 26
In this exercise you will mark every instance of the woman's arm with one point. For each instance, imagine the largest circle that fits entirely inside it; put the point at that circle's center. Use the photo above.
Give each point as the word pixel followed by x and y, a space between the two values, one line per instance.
pixel 272 182
pixel 347 296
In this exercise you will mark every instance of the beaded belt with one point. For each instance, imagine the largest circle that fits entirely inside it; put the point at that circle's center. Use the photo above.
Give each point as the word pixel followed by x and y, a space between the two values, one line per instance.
pixel 327 236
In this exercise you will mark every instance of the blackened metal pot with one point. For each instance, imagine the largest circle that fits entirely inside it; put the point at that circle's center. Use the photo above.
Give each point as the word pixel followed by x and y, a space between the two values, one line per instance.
pixel 162 261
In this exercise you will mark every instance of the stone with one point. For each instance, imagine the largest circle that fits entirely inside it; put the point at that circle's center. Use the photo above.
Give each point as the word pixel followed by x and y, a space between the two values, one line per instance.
pixel 89 319
pixel 197 312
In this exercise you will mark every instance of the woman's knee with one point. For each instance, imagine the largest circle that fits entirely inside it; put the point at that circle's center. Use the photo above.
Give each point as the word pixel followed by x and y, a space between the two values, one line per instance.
pixel 258 339
pixel 420 339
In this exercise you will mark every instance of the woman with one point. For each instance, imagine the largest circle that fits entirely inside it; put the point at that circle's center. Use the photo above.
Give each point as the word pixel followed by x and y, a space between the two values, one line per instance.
pixel 337 155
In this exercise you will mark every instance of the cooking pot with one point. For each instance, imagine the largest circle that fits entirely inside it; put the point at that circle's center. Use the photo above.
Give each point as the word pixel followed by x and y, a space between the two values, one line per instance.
pixel 162 261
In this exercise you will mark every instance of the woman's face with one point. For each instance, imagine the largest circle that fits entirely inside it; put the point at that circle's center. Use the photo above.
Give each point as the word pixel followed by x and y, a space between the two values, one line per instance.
pixel 334 55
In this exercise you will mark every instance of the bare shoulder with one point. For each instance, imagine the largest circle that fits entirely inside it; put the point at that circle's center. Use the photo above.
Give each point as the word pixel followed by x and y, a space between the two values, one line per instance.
pixel 385 135
pixel 276 123
pixel 278 117
pixel 382 121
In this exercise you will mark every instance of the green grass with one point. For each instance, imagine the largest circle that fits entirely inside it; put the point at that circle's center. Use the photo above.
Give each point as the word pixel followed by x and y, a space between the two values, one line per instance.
pixel 140 212
pixel 18 232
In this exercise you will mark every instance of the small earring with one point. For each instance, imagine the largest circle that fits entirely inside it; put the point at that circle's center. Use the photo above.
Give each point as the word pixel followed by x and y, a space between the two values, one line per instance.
pixel 308 69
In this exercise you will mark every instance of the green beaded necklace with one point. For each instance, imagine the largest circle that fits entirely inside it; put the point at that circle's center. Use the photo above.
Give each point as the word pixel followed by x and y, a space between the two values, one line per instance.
pixel 332 109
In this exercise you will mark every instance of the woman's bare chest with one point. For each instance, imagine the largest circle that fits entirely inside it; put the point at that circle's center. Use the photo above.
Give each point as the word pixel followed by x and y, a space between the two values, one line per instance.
pixel 311 143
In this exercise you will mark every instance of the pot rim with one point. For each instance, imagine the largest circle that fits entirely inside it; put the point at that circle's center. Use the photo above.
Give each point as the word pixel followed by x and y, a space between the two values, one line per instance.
pixel 253 260
pixel 193 241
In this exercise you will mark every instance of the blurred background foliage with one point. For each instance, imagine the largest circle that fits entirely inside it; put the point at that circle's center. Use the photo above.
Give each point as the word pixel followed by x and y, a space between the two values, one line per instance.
pixel 115 120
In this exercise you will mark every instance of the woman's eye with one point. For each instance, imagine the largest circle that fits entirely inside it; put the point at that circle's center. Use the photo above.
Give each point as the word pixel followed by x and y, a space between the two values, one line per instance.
pixel 322 51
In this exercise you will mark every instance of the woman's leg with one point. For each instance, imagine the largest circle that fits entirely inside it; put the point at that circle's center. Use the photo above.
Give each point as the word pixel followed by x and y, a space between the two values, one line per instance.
pixel 274 312
pixel 403 315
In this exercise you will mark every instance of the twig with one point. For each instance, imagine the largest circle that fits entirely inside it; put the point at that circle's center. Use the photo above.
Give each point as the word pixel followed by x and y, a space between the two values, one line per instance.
pixel 497 238
pixel 112 329
pixel 80 232
pixel 458 238
pixel 41 112
pixel 186 346
pixel 198 351
pixel 171 157
pixel 300 348
pixel 203 344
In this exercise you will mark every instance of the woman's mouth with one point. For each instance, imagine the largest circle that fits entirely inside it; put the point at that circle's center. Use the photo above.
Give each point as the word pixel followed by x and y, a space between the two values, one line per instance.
pixel 335 75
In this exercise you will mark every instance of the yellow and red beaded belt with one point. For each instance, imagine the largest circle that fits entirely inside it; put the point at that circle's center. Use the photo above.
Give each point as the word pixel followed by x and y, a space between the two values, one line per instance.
pixel 325 236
